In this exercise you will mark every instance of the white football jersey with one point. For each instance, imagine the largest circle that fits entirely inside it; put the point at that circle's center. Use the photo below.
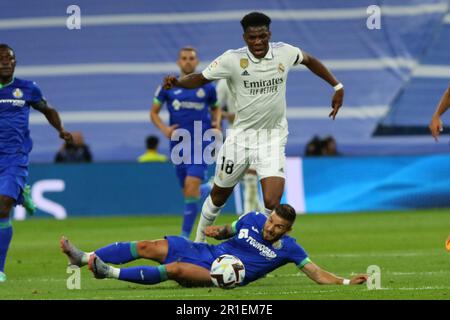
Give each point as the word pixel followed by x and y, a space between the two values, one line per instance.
pixel 257 85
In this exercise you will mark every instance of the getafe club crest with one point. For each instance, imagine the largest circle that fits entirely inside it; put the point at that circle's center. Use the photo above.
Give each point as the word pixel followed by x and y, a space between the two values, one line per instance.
pixel 278 245
pixel 280 68
pixel 200 93
pixel 17 93
pixel 244 63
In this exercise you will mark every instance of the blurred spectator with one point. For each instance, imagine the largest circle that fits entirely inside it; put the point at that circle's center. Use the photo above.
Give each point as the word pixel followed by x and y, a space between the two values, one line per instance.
pixel 77 151
pixel 313 148
pixel 152 155
pixel 329 147
pixel 324 147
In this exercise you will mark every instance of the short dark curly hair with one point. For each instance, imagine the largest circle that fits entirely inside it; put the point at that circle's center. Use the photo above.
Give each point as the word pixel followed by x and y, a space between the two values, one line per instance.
pixel 255 19
pixel 5 46
pixel 286 212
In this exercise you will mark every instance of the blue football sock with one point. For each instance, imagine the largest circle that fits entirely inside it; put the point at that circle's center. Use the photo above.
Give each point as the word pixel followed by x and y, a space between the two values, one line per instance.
pixel 118 253
pixel 6 232
pixel 189 215
pixel 205 189
pixel 144 274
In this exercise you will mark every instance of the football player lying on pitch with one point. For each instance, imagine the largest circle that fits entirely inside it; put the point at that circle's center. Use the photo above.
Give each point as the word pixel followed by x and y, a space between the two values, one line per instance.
pixel 261 242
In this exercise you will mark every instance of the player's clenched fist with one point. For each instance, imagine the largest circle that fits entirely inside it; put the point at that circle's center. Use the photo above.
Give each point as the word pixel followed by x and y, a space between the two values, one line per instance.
pixel 212 231
pixel 170 82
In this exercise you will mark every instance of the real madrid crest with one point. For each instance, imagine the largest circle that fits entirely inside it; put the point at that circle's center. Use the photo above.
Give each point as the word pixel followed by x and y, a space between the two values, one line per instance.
pixel 17 93
pixel 200 93
pixel 244 63
pixel 280 68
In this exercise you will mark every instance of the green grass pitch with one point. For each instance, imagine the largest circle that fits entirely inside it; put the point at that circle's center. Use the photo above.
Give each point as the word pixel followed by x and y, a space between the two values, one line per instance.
pixel 407 246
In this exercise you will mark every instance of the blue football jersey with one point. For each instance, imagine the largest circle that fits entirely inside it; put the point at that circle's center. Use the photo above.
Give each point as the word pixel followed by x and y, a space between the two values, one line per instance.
pixel 186 106
pixel 258 255
pixel 15 101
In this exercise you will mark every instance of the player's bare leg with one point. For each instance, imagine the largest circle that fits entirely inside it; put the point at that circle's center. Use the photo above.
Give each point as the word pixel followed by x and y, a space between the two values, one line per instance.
pixel 211 209
pixel 155 250
pixel 272 188
pixel 188 274
pixel 6 204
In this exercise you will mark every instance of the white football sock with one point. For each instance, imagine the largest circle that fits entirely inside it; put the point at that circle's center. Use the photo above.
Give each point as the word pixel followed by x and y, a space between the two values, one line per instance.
pixel 207 217
pixel 250 192
pixel 113 272
pixel 85 258
pixel 267 211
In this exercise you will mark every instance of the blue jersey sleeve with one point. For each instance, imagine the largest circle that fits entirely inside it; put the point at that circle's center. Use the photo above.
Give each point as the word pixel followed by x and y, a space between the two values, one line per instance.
pixel 160 96
pixel 298 255
pixel 36 94
pixel 237 225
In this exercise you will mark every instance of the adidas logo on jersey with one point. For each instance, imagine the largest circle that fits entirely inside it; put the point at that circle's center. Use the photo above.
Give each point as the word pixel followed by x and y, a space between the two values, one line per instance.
pixel 245 73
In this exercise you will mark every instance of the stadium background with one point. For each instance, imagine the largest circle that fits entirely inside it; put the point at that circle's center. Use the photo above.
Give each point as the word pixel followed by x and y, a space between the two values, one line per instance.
pixel 103 76
pixel 102 79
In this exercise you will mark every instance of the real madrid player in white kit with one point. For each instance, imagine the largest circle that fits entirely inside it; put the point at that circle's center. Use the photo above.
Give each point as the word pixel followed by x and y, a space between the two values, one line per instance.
pixel 256 75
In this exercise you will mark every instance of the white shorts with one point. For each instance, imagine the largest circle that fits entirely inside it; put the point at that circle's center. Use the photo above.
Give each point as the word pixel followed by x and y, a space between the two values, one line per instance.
pixel 234 158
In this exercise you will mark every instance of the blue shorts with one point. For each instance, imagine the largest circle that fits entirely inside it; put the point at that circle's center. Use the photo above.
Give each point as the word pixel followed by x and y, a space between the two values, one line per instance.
pixel 191 170
pixel 12 181
pixel 183 250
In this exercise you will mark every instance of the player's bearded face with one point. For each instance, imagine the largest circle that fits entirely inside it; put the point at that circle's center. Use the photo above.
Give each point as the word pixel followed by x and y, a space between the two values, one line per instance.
pixel 257 40
pixel 7 63
pixel 275 227
pixel 187 61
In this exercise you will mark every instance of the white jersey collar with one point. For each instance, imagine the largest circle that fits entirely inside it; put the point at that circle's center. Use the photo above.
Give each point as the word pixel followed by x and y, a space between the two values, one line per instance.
pixel 268 56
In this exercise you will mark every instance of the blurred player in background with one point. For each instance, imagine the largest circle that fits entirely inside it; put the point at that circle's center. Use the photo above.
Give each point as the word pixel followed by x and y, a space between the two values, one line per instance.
pixel 187 106
pixel 261 242
pixel 256 75
pixel 152 154
pixel 16 98
pixel 436 126
pixel 227 103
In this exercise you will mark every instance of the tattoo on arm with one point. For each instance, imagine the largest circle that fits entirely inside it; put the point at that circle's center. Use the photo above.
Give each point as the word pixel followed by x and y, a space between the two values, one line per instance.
pixel 224 233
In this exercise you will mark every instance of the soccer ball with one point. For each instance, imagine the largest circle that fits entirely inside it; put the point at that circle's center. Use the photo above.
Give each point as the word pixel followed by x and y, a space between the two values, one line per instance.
pixel 227 271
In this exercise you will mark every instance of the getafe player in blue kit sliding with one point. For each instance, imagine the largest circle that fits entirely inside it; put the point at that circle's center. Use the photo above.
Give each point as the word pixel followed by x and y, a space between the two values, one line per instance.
pixel 16 98
pixel 188 108
pixel 260 242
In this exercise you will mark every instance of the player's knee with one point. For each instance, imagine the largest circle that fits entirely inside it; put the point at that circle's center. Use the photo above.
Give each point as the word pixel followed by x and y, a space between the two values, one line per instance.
pixel 145 248
pixel 175 271
pixel 192 191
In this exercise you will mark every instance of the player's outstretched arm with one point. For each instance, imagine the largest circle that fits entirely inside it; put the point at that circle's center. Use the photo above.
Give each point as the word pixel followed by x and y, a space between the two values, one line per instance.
pixel 216 117
pixel 436 123
pixel 53 118
pixel 219 232
pixel 321 276
pixel 190 81
pixel 157 121
pixel 320 70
